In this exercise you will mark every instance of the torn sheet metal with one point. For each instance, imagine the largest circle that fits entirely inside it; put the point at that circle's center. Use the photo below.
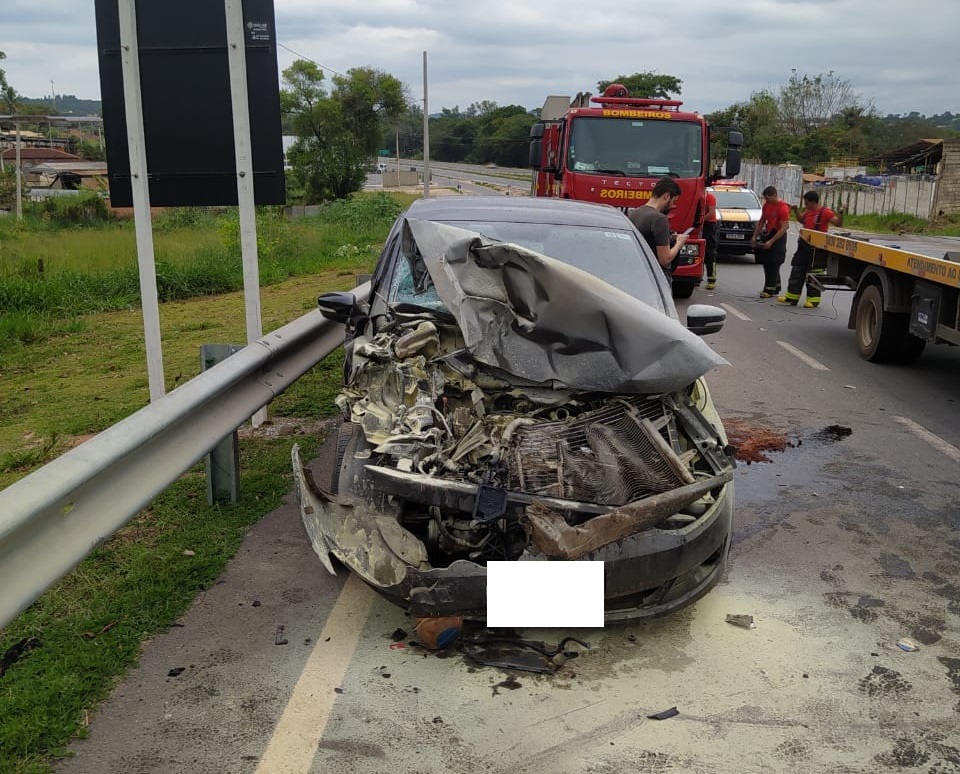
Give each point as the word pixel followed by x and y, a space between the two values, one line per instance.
pixel 551 533
pixel 543 320
pixel 370 542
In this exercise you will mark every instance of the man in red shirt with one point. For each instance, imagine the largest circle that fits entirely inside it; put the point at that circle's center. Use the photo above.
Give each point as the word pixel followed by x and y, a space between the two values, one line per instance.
pixel 710 235
pixel 770 240
pixel 815 218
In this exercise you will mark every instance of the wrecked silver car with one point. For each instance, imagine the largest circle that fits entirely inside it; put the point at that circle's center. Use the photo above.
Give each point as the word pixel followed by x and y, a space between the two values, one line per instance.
pixel 519 387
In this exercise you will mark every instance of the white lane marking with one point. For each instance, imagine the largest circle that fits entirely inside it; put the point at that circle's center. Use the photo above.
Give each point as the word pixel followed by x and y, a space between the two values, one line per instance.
pixel 934 440
pixel 814 364
pixel 294 742
pixel 735 312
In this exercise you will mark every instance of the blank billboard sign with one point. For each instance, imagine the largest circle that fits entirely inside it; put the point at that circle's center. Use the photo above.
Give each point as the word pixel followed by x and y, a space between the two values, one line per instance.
pixel 187 113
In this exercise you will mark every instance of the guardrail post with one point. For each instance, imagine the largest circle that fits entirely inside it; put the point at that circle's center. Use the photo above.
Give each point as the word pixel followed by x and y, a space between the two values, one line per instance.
pixel 223 461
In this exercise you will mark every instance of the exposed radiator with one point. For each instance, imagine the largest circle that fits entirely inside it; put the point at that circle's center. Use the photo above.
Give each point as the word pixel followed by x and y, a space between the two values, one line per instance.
pixel 619 453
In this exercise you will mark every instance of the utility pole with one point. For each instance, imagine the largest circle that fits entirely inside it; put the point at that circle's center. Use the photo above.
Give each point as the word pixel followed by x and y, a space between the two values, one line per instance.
pixel 53 96
pixel 426 133
pixel 19 175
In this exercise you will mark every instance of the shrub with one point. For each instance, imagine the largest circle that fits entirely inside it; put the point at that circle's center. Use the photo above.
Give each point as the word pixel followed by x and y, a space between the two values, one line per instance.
pixel 84 209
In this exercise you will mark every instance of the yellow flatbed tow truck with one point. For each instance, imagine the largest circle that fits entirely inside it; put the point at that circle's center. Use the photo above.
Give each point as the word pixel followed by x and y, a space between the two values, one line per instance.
pixel 907 291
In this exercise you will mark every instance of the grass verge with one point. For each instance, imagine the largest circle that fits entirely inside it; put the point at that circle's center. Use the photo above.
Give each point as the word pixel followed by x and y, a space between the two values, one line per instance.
pixel 65 653
pixel 900 223
pixel 86 632
pixel 50 275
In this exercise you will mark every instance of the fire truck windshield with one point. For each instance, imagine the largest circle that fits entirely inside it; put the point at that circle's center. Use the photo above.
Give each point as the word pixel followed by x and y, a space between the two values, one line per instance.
pixel 635 148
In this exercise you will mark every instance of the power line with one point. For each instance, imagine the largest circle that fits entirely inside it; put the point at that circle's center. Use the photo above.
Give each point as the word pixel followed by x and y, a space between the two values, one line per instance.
pixel 312 61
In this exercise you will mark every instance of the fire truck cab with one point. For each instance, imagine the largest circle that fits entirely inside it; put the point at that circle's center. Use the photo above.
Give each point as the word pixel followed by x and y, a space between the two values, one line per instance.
pixel 615 148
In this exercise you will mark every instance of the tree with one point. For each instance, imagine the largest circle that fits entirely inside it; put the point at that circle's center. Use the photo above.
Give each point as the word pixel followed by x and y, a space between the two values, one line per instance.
pixel 759 120
pixel 646 84
pixel 481 109
pixel 813 119
pixel 8 94
pixel 504 137
pixel 808 102
pixel 452 135
pixel 327 161
pixel 370 101
pixel 409 128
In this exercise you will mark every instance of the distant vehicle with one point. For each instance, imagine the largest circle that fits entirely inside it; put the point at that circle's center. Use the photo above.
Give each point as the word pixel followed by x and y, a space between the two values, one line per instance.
pixel 738 212
pixel 381 167
pixel 519 386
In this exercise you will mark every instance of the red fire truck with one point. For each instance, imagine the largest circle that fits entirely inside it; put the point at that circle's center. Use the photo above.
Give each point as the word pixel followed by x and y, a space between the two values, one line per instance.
pixel 615 150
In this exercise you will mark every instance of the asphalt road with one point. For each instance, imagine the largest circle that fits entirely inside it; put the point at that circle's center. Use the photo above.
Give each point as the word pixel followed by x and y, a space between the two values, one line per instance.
pixel 844 544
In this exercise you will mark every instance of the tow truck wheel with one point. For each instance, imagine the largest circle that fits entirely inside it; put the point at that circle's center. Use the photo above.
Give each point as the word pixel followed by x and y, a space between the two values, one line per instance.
pixel 881 336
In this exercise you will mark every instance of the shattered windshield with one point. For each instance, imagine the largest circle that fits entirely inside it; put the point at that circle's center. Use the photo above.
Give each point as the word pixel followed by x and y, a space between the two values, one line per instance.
pixel 611 255
pixel 636 147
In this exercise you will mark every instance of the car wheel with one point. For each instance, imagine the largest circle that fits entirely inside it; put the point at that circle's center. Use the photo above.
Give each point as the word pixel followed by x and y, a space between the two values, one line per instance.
pixel 683 289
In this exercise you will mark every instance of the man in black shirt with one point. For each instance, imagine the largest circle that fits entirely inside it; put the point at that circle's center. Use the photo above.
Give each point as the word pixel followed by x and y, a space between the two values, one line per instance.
pixel 651 221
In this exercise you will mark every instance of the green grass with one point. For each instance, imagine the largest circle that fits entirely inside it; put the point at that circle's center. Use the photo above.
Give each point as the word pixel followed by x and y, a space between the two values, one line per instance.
pixel 85 373
pixel 51 275
pixel 87 630
pixel 901 223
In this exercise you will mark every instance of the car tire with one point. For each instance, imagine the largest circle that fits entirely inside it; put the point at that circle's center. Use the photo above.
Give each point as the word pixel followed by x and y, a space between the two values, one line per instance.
pixel 683 289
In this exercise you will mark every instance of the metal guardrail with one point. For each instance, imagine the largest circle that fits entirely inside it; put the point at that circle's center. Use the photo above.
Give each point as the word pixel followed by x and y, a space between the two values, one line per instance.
pixel 51 519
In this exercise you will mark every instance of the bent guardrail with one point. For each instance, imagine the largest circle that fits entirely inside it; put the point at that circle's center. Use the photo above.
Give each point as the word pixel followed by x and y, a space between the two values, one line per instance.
pixel 54 517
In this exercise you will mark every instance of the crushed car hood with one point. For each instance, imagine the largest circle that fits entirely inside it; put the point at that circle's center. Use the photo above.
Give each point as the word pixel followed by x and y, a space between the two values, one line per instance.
pixel 543 320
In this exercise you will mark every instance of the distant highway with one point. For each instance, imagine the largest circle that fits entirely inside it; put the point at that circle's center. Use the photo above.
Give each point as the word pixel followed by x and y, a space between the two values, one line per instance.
pixel 468 179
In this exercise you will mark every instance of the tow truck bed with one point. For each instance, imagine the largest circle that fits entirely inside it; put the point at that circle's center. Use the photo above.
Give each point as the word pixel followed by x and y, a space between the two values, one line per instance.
pixel 907 289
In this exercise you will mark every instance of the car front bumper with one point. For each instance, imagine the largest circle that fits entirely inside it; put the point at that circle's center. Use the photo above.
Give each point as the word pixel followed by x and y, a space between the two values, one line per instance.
pixel 647 573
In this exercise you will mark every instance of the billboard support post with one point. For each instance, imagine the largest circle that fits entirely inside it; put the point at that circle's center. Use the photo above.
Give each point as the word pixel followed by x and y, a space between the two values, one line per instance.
pixel 236 56
pixel 140 186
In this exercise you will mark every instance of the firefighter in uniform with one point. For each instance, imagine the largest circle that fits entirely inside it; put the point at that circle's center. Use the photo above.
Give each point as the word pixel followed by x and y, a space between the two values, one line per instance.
pixel 816 218
pixel 769 240
pixel 710 235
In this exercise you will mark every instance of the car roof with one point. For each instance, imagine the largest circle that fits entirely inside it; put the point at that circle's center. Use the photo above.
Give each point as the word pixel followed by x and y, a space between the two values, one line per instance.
pixel 519 209
pixel 729 187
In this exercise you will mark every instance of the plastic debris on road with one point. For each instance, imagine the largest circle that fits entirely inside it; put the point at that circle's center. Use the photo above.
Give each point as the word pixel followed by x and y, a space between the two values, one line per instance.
pixel 667 713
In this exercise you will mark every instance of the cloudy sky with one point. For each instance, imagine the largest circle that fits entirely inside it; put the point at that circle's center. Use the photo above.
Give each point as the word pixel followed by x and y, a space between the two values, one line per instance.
pixel 899 56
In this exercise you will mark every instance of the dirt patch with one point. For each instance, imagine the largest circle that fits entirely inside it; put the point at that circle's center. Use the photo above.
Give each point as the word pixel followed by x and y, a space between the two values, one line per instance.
pixel 752 441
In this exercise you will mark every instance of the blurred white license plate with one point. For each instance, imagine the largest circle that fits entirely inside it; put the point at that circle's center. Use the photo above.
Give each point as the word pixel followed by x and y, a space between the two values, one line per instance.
pixel 736 236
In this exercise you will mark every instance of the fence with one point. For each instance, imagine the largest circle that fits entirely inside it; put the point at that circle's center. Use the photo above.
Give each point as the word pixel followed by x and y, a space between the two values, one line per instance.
pixel 913 195
pixel 910 194
pixel 786 178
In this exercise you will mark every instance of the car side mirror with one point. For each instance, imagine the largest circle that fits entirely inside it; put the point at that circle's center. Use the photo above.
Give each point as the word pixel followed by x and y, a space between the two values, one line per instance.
pixel 704 319
pixel 339 307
